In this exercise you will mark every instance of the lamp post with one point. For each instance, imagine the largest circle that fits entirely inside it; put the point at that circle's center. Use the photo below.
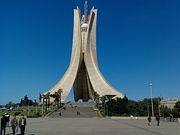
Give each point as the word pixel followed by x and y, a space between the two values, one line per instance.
pixel 150 85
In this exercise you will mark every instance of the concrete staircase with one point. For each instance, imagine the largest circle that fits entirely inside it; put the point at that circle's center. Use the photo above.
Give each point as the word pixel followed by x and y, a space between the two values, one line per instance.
pixel 76 110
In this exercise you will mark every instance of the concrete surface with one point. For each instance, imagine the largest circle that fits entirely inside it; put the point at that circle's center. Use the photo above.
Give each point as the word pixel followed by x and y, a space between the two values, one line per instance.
pixel 98 126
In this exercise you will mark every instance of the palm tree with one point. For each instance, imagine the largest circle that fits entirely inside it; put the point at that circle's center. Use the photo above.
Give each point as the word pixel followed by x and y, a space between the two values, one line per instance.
pixel 103 99
pixel 60 91
pixel 43 100
pixel 56 98
pixel 40 97
pixel 96 97
pixel 46 98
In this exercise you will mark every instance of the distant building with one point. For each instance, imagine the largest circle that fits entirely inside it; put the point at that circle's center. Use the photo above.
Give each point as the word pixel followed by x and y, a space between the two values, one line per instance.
pixel 3 109
pixel 170 102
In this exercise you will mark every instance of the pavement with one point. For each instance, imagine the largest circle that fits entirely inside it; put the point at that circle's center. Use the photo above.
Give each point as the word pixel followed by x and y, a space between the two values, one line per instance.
pixel 97 126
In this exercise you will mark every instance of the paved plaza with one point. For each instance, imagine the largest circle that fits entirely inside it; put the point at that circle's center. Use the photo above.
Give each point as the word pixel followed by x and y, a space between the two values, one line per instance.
pixel 98 126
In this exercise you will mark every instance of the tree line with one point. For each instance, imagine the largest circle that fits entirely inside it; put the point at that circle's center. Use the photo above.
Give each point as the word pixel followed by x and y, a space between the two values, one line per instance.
pixel 126 107
pixel 107 105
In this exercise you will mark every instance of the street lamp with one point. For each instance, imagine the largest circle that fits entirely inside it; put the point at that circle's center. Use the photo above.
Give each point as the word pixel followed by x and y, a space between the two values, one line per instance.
pixel 150 85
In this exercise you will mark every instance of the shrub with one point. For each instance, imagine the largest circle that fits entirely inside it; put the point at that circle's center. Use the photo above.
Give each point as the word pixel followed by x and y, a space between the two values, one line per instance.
pixel 17 113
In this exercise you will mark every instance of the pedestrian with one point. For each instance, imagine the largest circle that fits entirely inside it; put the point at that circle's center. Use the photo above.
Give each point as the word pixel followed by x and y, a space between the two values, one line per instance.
pixel 131 117
pixel 3 125
pixel 149 121
pixel 14 124
pixel 7 117
pixel 171 118
pixel 22 124
pixel 158 120
pixel 78 113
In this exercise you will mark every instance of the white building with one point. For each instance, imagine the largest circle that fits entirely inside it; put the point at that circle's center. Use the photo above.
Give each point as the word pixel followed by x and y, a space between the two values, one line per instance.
pixel 170 102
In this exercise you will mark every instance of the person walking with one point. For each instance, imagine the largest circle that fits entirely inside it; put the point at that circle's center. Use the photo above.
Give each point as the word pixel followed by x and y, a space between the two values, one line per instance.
pixel 78 112
pixel 22 124
pixel 7 117
pixel 59 113
pixel 3 125
pixel 149 121
pixel 171 118
pixel 14 124
pixel 158 120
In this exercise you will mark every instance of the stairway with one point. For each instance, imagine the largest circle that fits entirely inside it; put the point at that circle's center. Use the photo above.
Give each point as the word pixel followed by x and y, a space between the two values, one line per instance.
pixel 76 110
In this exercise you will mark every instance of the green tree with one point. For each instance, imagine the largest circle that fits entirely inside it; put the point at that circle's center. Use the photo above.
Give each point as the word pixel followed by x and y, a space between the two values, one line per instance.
pixel 177 106
pixel 40 98
pixel 117 106
pixel 26 101
pixel 176 110
pixel 96 97
pixel 46 99
pixel 56 98
pixel 60 91
pixel 165 111
pixel 10 105
pixel 126 107
pixel 132 107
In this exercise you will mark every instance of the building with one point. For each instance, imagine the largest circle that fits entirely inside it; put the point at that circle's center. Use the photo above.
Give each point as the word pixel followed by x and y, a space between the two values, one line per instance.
pixel 83 74
pixel 3 109
pixel 170 102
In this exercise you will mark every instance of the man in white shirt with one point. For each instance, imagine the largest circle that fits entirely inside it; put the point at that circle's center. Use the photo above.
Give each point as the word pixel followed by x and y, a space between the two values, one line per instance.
pixel 22 124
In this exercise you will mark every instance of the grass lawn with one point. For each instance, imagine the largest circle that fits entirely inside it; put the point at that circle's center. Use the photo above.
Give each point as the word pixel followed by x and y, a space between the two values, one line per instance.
pixel 30 111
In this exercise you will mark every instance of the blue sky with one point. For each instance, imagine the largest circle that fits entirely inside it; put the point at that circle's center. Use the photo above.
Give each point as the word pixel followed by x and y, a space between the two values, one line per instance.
pixel 138 42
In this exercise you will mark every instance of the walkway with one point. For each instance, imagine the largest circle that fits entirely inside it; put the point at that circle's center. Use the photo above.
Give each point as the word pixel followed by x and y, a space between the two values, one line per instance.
pixel 98 126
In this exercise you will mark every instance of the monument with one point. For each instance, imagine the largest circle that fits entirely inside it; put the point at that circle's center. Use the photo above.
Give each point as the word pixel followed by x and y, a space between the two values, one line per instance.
pixel 83 74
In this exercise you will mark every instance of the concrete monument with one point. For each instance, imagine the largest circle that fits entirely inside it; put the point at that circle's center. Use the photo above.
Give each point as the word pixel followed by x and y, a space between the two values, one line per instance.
pixel 83 74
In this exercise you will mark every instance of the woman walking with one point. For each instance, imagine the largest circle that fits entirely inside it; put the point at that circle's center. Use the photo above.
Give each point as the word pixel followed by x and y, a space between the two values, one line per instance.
pixel 158 120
